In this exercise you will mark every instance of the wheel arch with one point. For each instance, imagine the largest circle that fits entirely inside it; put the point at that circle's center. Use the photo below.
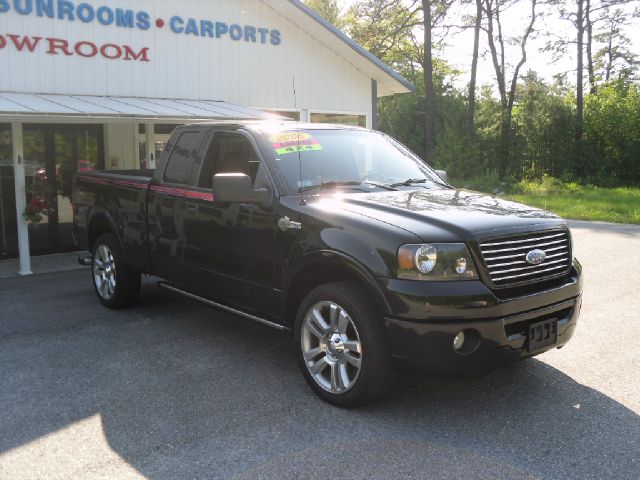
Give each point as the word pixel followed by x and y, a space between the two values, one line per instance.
pixel 326 267
pixel 99 224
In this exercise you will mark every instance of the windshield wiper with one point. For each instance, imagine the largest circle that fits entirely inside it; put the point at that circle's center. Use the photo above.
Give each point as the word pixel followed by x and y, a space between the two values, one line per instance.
pixel 331 184
pixel 384 186
pixel 345 183
pixel 411 181
pixel 408 182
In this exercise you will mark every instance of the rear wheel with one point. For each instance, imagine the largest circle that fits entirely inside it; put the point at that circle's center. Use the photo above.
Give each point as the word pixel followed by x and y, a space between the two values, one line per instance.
pixel 341 344
pixel 116 283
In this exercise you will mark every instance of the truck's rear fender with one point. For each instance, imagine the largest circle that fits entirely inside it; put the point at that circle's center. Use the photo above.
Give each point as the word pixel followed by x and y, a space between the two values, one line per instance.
pixel 324 266
pixel 100 223
pixel 110 216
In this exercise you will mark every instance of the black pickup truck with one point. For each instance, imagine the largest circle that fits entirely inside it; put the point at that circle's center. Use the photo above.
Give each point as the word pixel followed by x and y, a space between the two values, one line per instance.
pixel 341 236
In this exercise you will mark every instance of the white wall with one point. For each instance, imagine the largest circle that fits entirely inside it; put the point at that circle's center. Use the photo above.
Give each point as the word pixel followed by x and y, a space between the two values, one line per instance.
pixel 121 146
pixel 186 66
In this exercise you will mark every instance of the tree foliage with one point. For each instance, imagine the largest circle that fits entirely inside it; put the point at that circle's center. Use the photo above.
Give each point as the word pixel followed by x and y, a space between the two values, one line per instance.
pixel 328 9
pixel 540 128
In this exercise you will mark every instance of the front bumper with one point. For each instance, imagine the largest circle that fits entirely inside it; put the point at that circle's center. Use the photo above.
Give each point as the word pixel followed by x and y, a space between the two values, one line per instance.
pixel 428 315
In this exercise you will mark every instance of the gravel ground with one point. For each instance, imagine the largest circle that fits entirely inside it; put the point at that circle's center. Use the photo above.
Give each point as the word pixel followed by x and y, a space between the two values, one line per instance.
pixel 171 389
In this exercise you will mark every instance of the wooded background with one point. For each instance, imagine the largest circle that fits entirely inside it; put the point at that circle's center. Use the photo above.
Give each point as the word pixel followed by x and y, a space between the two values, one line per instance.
pixel 583 125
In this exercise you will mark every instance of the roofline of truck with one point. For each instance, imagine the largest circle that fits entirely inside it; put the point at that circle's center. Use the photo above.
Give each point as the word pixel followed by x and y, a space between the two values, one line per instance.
pixel 270 124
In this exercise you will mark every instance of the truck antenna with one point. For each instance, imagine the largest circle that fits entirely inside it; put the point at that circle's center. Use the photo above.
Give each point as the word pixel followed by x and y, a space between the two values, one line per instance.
pixel 302 200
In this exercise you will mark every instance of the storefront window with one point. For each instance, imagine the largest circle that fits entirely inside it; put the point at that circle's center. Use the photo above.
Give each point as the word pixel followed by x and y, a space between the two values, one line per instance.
pixel 53 154
pixel 8 223
pixel 339 118
pixel 291 115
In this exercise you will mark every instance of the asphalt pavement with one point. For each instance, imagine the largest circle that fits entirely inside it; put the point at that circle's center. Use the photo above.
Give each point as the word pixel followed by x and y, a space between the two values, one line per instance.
pixel 171 389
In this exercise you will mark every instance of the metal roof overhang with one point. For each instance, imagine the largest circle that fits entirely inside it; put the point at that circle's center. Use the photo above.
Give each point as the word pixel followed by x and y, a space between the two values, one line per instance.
pixel 31 106
pixel 389 81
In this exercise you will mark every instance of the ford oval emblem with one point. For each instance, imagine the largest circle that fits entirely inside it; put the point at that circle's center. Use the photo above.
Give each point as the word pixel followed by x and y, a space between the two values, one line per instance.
pixel 536 257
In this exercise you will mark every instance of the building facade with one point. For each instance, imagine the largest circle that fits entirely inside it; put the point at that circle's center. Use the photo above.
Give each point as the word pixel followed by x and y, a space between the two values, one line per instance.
pixel 93 84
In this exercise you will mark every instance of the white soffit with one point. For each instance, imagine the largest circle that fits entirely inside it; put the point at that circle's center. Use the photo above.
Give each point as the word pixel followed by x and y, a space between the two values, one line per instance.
pixel 87 105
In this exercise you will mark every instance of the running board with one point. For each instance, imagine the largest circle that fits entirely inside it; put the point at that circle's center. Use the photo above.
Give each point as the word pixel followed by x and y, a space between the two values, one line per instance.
pixel 211 303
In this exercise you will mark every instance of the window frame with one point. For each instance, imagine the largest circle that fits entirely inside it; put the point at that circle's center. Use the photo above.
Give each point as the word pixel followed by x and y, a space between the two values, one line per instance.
pixel 210 136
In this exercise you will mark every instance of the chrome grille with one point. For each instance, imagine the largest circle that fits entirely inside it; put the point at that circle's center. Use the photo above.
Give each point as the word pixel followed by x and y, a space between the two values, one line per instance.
pixel 506 262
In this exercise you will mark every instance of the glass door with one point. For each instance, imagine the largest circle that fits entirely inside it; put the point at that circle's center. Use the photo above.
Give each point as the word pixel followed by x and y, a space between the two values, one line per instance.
pixel 8 224
pixel 53 155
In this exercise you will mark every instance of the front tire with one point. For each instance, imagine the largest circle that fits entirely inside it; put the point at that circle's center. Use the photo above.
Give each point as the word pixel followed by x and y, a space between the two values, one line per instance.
pixel 116 283
pixel 341 345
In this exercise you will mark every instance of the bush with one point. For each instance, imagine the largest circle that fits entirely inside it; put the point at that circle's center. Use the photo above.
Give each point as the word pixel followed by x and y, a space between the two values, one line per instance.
pixel 545 186
pixel 489 183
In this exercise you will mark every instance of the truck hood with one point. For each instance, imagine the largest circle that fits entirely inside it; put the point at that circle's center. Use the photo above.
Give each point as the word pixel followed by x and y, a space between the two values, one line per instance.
pixel 446 214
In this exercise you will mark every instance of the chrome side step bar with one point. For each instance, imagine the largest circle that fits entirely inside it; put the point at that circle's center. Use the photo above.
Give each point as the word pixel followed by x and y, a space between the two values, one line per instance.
pixel 211 303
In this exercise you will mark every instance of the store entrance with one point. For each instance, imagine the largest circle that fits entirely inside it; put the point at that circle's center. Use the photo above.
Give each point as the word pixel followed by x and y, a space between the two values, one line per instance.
pixel 53 154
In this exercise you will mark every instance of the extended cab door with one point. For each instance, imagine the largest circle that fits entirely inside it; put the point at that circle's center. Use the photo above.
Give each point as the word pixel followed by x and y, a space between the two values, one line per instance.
pixel 229 249
pixel 166 205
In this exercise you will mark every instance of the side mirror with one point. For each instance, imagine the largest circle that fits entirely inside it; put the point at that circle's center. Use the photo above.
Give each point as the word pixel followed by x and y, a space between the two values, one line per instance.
pixel 442 174
pixel 236 187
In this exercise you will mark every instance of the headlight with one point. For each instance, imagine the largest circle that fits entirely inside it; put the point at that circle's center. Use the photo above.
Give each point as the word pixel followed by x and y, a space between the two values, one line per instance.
pixel 436 261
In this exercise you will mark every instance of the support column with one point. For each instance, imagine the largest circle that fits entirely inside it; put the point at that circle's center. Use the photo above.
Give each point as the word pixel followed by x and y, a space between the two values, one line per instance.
pixel 374 105
pixel 21 198
pixel 150 140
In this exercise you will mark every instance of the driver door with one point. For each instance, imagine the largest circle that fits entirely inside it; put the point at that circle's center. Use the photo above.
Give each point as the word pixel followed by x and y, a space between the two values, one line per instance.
pixel 229 249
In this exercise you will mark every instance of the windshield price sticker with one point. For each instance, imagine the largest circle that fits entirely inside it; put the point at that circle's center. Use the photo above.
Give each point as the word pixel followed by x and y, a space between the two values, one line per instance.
pixel 292 142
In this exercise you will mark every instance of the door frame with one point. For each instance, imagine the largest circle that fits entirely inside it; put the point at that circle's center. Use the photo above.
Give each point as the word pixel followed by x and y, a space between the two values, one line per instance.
pixel 49 131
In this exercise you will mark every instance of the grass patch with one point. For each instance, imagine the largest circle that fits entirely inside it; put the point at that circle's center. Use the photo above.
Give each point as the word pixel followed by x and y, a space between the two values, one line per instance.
pixel 580 202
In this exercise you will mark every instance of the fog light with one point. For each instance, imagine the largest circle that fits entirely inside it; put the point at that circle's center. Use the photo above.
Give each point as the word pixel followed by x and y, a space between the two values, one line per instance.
pixel 461 265
pixel 458 341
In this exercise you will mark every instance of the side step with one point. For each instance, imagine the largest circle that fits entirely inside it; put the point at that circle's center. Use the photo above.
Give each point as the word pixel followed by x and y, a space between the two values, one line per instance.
pixel 173 288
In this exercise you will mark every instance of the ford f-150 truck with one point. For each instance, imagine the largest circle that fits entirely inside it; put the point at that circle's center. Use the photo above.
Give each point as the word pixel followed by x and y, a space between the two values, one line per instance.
pixel 340 236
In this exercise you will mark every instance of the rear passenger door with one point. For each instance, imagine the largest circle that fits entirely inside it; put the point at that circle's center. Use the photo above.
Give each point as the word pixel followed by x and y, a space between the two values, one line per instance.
pixel 168 194
pixel 230 246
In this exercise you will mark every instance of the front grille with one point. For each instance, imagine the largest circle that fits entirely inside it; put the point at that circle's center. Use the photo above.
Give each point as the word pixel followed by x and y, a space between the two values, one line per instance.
pixel 506 262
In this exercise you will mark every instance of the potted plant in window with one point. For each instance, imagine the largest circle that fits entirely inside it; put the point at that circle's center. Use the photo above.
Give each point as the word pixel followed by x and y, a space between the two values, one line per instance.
pixel 38 207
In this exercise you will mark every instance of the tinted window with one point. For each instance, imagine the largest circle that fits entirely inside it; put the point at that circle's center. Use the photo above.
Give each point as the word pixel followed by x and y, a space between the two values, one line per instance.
pixel 183 159
pixel 230 153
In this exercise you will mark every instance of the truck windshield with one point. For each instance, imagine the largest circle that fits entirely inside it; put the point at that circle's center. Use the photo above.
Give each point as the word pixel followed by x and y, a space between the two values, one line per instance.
pixel 346 157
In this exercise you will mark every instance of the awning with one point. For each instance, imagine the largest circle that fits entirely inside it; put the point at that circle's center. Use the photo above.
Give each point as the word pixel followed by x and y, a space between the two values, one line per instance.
pixel 28 104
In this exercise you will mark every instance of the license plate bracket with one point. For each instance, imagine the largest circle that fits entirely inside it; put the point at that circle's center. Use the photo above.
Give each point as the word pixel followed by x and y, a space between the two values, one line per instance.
pixel 542 334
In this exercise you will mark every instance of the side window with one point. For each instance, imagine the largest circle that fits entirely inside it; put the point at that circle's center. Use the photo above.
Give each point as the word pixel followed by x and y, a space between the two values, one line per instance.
pixel 231 153
pixel 183 159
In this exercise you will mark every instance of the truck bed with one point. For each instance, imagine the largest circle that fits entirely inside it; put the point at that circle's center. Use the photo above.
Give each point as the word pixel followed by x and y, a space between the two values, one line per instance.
pixel 120 196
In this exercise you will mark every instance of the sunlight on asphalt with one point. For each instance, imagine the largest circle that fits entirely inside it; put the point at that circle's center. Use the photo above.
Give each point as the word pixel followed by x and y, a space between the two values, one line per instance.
pixel 78 450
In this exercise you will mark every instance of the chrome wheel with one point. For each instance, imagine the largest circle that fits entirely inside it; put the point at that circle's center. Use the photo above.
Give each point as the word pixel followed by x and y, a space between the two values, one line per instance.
pixel 104 272
pixel 331 347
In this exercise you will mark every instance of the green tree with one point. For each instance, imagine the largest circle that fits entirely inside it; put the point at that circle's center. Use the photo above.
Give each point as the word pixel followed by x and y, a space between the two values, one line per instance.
pixel 612 124
pixel 494 12
pixel 543 128
pixel 615 60
pixel 328 9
